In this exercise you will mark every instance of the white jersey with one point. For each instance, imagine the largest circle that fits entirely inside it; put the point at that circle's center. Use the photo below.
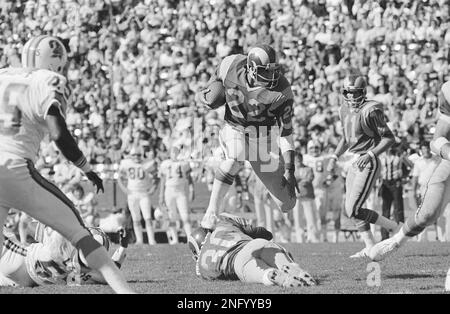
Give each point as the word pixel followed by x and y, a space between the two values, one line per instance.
pixel 55 261
pixel 138 174
pixel 319 165
pixel 176 173
pixel 25 97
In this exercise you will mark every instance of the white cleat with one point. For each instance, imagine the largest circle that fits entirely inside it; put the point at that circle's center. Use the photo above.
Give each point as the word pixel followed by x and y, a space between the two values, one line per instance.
pixel 209 221
pixel 383 249
pixel 298 275
pixel 277 277
pixel 361 254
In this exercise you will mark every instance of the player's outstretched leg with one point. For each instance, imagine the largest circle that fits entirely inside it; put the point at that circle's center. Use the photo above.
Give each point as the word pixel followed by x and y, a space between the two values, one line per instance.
pixel 261 261
pixel 223 180
pixel 435 200
pixel 275 182
pixel 359 183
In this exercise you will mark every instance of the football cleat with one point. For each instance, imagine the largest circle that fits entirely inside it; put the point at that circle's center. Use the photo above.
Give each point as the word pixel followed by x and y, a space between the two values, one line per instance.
pixel 299 275
pixel 361 254
pixel 383 249
pixel 277 277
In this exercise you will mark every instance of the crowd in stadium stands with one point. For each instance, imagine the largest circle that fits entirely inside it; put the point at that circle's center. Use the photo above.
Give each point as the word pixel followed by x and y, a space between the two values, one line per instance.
pixel 136 64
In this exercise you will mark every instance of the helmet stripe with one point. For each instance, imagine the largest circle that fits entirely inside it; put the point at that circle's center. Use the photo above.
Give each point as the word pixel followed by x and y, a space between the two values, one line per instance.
pixel 261 54
pixel 32 50
pixel 28 52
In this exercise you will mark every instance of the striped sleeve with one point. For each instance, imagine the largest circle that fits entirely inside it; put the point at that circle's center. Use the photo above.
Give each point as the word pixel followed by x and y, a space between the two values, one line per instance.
pixel 50 89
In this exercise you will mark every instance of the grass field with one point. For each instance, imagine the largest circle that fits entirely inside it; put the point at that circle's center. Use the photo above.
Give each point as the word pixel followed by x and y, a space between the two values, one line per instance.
pixel 417 268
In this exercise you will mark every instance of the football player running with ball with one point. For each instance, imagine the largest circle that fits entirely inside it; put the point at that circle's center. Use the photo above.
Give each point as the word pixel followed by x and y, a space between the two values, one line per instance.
pixel 33 102
pixel 236 250
pixel 258 111
pixel 437 192
pixel 366 136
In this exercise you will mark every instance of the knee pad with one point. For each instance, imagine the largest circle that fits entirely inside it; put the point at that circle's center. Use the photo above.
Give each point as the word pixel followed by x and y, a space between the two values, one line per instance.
pixel 366 215
pixel 231 166
pixel 228 170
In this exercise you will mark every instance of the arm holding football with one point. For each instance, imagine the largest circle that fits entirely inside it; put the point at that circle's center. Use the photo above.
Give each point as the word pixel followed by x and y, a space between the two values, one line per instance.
pixel 212 96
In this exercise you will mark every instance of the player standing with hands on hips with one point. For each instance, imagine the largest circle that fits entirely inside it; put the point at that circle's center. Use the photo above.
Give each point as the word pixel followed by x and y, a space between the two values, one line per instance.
pixel 33 102
pixel 366 135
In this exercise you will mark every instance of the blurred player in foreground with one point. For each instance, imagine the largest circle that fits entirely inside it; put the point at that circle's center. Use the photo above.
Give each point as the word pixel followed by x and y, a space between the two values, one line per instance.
pixel 140 186
pixel 437 192
pixel 33 102
pixel 53 260
pixel 236 250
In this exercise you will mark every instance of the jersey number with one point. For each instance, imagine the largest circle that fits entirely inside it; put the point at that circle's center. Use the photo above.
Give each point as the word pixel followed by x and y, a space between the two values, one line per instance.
pixel 178 173
pixel 134 173
pixel 254 107
pixel 10 114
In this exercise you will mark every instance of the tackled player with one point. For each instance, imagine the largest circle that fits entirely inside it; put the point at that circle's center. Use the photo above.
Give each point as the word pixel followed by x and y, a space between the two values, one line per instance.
pixel 236 250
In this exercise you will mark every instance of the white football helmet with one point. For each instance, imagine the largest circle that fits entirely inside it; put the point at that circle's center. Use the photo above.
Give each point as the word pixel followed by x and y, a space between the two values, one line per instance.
pixel 45 52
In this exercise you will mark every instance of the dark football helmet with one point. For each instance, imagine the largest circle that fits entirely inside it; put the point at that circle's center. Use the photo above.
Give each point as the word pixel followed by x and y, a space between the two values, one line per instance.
pixel 263 67
pixel 354 90
pixel 196 240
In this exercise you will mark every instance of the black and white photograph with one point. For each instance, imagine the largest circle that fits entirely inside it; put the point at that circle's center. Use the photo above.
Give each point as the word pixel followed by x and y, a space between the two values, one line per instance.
pixel 225 154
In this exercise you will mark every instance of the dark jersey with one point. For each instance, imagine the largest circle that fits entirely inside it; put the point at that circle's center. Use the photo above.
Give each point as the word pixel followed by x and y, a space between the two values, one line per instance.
pixel 364 128
pixel 217 255
pixel 254 106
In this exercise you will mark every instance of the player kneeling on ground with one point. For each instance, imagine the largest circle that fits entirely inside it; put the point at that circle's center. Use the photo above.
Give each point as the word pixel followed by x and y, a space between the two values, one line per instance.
pixel 53 260
pixel 237 250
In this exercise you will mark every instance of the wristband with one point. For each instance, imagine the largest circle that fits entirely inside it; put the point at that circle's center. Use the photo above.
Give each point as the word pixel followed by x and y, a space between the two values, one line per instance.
pixel 286 143
pixel 83 164
pixel 371 154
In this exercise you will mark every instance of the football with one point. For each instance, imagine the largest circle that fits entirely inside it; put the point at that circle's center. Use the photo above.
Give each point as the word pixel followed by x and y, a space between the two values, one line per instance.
pixel 214 95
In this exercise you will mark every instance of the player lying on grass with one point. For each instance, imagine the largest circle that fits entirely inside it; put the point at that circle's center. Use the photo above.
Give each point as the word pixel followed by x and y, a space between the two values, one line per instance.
pixel 236 250
pixel 53 260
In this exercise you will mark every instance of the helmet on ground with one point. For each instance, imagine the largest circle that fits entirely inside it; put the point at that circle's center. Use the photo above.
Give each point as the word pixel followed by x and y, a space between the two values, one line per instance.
pixel 196 240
